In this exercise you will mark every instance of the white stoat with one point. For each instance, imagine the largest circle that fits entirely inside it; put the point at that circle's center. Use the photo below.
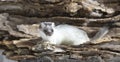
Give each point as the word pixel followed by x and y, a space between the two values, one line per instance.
pixel 62 34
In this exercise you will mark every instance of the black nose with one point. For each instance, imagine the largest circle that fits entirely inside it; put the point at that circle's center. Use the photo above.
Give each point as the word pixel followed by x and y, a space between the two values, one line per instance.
pixel 48 32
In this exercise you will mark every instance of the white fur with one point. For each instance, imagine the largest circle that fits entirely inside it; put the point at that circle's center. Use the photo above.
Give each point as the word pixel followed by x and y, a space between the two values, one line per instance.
pixel 67 33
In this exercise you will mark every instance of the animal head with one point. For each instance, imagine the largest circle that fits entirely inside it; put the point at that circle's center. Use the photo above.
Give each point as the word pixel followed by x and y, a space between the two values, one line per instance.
pixel 47 27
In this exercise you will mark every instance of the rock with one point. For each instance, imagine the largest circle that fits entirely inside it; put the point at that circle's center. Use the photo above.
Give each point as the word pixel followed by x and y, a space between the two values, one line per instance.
pixel 94 59
pixel 114 59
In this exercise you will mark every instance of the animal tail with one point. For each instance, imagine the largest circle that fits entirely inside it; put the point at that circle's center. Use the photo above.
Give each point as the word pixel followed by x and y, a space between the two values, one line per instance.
pixel 102 32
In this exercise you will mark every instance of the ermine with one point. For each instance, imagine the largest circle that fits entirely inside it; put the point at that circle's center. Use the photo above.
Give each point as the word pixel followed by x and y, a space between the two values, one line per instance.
pixel 66 34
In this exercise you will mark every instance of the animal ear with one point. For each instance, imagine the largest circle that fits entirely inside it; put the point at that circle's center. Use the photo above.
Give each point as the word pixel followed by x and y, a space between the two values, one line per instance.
pixel 42 24
pixel 53 24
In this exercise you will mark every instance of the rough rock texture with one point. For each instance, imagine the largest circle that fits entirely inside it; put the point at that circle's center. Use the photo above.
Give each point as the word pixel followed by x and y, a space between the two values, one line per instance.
pixel 20 19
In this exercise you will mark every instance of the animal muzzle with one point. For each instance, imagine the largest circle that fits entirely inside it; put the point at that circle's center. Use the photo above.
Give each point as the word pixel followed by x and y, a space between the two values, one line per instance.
pixel 48 32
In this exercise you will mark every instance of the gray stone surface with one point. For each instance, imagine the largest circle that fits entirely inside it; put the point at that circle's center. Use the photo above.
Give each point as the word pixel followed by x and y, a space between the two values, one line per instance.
pixel 115 59
pixel 95 59
pixel 4 59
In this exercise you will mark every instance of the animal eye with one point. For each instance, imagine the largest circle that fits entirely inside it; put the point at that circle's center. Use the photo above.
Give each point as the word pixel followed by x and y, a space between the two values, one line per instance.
pixel 51 30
